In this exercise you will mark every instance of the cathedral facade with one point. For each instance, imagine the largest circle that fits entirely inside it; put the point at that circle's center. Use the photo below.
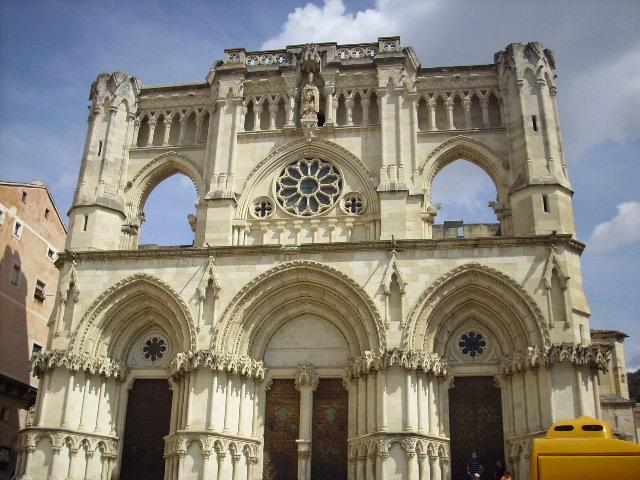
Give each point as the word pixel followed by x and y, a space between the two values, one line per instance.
pixel 323 324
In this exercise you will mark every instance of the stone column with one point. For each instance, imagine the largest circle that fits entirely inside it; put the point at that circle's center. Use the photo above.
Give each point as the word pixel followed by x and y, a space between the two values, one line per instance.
pixel 423 467
pixel 433 418
pixel 413 108
pixel 243 394
pixel 371 402
pixel 101 393
pixel 27 464
pixel 484 105
pixel 362 405
pixel 73 462
pixel 382 101
pixel 221 456
pixel 410 453
pixel 257 110
pixel 466 104
pixel 167 130
pixel 328 109
pixel 152 127
pixel 199 119
pixel 89 456
pixel 382 400
pixel 273 110
pixel 227 405
pixel 291 107
pixel 256 406
pixel 431 106
pixel 435 468
pixel 306 381
pixel 349 107
pixel 409 401
pixel 380 462
pixel 183 128
pixel 364 102
pixel 421 403
pixel 371 466
pixel 190 391
pixel 66 407
pixel 242 113
pixel 43 400
pixel 449 104
pixel 547 129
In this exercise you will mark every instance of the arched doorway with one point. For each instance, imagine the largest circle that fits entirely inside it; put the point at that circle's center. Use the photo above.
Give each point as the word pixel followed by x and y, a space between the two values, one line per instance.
pixel 146 425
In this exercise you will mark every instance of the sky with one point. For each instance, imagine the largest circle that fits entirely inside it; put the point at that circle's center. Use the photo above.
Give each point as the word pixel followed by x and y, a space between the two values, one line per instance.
pixel 51 51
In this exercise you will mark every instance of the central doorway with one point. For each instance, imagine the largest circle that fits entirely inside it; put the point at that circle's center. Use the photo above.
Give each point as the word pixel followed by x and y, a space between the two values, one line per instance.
pixel 475 421
pixel 146 425
pixel 329 431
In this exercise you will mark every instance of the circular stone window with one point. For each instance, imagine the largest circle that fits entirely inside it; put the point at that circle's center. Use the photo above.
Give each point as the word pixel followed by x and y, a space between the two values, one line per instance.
pixel 262 207
pixel 308 186
pixel 154 349
pixel 472 344
pixel 353 204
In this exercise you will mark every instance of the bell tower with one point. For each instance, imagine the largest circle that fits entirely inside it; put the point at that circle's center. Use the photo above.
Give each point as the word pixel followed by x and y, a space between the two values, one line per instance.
pixel 540 193
pixel 99 210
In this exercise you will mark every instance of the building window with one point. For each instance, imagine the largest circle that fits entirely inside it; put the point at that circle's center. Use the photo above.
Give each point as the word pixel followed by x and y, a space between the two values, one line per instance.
pixel 51 253
pixel 5 414
pixel 308 186
pixel 24 197
pixel 17 229
pixel 38 294
pixel 85 223
pixel 46 213
pixel 534 123
pixel 545 203
pixel 35 348
pixel 15 274
pixel 99 147
pixel 472 344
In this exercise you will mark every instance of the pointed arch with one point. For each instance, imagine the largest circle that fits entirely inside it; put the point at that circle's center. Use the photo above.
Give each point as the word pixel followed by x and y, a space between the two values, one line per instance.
pixel 481 292
pixel 106 329
pixel 292 289
pixel 157 170
pixel 316 147
pixel 462 147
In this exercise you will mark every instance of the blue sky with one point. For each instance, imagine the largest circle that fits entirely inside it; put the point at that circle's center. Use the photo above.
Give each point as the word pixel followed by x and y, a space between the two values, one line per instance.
pixel 51 51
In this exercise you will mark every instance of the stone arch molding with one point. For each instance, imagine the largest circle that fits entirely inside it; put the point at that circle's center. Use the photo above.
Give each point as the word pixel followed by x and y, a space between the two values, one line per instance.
pixel 315 147
pixel 289 290
pixel 481 293
pixel 106 328
pixel 461 147
pixel 157 170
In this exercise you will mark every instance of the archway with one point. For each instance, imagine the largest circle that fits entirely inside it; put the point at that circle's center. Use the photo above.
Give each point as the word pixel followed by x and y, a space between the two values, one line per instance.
pixel 467 177
pixel 171 204
pixel 305 320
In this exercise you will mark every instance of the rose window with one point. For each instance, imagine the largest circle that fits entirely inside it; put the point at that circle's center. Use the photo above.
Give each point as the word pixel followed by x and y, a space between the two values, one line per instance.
pixel 154 349
pixel 472 344
pixel 308 186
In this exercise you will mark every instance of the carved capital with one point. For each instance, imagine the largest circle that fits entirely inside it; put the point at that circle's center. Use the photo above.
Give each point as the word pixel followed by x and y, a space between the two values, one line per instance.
pixel 305 375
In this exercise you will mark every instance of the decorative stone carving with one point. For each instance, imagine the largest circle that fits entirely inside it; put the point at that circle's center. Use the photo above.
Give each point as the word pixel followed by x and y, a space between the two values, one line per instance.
pixel 185 362
pixel 309 100
pixel 305 375
pixel 428 362
pixel 594 356
pixel 47 360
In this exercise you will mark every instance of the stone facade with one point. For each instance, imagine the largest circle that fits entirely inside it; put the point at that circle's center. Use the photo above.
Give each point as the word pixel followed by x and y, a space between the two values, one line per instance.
pixel 31 235
pixel 316 257
pixel 617 407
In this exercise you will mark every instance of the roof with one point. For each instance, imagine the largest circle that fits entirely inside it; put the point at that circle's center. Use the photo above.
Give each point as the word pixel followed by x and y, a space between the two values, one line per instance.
pixel 613 333
pixel 37 184
pixel 616 400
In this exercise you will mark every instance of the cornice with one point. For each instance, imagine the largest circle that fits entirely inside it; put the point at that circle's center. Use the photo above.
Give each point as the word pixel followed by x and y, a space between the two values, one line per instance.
pixel 567 240
pixel 50 359
pixel 230 363
pixel 594 356
pixel 420 360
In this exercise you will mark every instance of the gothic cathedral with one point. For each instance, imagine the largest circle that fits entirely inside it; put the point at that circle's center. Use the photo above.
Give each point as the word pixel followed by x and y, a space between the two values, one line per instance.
pixel 323 324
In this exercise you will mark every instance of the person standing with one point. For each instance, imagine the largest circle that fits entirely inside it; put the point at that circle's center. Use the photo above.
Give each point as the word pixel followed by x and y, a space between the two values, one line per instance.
pixel 499 470
pixel 473 466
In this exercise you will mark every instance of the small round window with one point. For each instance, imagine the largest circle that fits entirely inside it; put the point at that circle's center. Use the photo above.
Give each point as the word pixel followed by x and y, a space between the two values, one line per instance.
pixel 472 344
pixel 308 186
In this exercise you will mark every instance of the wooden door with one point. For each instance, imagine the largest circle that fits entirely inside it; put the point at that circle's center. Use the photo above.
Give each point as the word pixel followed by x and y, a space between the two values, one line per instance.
pixel 146 425
pixel 475 420
pixel 282 422
pixel 329 433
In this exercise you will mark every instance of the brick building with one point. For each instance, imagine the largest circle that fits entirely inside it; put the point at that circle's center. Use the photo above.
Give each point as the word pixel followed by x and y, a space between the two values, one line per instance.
pixel 31 234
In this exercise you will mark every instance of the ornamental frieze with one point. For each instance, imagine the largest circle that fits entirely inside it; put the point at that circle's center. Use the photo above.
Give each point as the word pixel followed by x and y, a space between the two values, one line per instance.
pixel 50 359
pixel 428 362
pixel 595 356
pixel 178 443
pixel 220 362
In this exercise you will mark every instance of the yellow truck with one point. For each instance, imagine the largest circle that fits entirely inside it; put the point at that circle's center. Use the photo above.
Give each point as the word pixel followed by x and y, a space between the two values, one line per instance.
pixel 584 449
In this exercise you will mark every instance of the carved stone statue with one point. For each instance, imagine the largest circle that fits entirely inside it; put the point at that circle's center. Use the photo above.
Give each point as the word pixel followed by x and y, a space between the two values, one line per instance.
pixel 310 100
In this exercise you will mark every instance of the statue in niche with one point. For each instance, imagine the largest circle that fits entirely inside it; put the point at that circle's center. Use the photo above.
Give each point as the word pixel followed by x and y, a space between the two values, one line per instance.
pixel 310 100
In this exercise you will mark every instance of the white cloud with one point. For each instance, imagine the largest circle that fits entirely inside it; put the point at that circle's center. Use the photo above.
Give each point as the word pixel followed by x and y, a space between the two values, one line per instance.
pixel 602 103
pixel 621 230
pixel 332 23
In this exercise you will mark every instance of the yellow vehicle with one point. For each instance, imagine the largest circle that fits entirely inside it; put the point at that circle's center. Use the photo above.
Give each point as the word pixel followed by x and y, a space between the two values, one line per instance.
pixel 584 449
